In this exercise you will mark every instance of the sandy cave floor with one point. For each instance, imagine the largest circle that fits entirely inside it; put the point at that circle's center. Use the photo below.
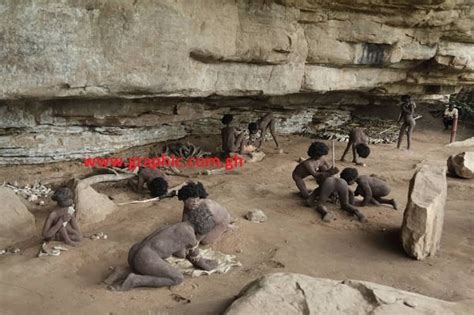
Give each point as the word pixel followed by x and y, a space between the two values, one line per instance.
pixel 294 239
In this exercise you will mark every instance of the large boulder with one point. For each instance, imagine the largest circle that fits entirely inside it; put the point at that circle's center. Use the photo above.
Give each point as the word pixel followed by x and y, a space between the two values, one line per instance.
pixel 462 165
pixel 287 293
pixel 91 206
pixel 424 214
pixel 17 223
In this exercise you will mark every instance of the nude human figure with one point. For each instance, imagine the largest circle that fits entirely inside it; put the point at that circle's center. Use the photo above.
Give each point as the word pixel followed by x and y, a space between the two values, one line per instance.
pixel 338 186
pixel 193 196
pixel 232 138
pixel 147 258
pixel 359 142
pixel 372 189
pixel 315 166
pixel 61 223
pixel 407 110
pixel 259 128
pixel 155 180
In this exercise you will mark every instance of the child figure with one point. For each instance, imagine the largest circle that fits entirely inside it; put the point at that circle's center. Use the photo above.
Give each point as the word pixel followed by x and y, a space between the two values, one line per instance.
pixel 340 187
pixel 61 224
pixel 373 189
pixel 315 166
pixel 360 146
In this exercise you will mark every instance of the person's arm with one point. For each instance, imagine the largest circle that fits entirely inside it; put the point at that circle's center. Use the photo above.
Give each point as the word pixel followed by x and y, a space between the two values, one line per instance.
pixel 75 226
pixel 347 149
pixel 205 264
pixel 366 193
pixel 50 229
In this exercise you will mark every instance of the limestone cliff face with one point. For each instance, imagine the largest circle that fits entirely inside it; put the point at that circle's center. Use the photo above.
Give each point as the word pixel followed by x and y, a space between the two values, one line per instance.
pixel 90 77
pixel 139 48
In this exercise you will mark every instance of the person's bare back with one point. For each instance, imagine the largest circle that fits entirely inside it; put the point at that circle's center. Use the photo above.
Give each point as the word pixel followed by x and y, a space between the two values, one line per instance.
pixel 155 180
pixel 359 142
pixel 194 196
pixel 373 189
pixel 339 187
pixel 147 258
pixel 315 166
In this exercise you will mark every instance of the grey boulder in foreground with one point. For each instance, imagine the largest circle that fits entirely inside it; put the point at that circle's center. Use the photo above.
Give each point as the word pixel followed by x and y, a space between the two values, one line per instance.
pixel 289 293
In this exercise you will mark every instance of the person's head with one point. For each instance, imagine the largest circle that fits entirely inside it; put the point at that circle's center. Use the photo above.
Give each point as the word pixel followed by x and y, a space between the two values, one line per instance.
pixel 406 98
pixel 63 196
pixel 349 174
pixel 191 193
pixel 317 149
pixel 227 119
pixel 253 128
pixel 201 219
pixel 363 150
pixel 158 187
pixel 451 106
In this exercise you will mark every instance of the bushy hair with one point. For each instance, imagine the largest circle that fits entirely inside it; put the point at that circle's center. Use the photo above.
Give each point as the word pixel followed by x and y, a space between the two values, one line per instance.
pixel 317 149
pixel 63 196
pixel 363 150
pixel 227 119
pixel 192 190
pixel 253 127
pixel 349 174
pixel 201 219
pixel 158 187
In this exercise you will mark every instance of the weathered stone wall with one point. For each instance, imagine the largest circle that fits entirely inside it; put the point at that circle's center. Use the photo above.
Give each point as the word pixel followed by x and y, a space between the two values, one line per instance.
pixel 90 77
pixel 51 131
pixel 139 48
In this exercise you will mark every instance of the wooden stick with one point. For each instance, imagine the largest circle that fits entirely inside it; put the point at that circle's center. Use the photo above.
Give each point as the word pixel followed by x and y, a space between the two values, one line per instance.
pixel 152 199
pixel 333 155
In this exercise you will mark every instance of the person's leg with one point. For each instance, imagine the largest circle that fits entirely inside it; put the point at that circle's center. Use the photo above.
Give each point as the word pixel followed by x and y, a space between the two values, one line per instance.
pixel 349 144
pixel 400 134
pixel 410 133
pixel 324 192
pixel 301 186
pixel 152 270
pixel 446 123
pixel 387 201
pixel 344 200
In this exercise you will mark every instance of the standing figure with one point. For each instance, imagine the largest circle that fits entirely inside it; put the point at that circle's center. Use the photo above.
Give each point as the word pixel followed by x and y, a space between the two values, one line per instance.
pixel 315 166
pixel 360 146
pixel 449 115
pixel 194 196
pixel 407 111
pixel 61 224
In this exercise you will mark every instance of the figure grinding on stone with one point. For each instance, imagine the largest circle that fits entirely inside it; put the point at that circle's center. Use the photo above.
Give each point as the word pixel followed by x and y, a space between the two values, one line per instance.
pixel 372 189
pixel 232 138
pixel 194 196
pixel 147 258
pixel 339 187
pixel 315 166
pixel 61 224
pixel 407 108
pixel 155 180
pixel 360 146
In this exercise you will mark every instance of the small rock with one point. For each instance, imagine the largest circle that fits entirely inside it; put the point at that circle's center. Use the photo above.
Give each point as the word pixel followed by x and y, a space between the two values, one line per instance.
pixel 256 216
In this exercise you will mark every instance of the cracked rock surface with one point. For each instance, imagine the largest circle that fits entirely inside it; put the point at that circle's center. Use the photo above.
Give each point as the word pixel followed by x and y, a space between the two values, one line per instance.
pixel 288 293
